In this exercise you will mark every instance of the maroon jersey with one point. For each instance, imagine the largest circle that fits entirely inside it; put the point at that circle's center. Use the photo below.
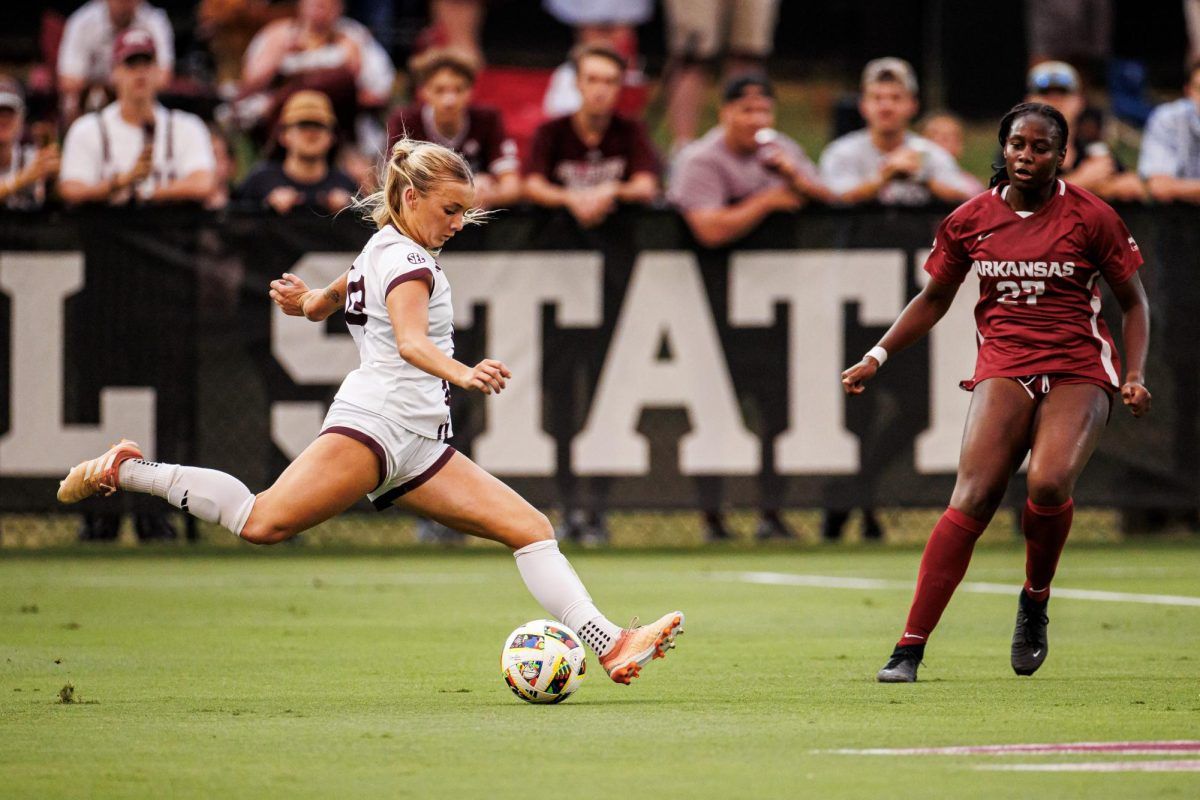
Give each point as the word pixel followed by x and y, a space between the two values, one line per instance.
pixel 560 156
pixel 1039 293
pixel 481 140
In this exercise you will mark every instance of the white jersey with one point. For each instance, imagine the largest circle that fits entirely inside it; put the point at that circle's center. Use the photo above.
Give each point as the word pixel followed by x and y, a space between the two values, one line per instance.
pixel 385 383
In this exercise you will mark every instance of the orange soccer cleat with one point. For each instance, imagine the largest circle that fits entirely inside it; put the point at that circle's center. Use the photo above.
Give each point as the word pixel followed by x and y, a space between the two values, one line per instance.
pixel 638 645
pixel 98 475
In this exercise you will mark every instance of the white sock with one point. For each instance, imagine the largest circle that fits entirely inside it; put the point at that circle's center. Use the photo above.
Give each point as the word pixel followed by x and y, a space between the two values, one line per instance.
pixel 205 493
pixel 554 584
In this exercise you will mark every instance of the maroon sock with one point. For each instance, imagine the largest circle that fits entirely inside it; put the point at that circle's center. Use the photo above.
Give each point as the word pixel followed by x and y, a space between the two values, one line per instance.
pixel 943 564
pixel 1045 529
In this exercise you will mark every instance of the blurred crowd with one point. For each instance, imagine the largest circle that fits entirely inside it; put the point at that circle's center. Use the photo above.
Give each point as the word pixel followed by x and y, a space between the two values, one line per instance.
pixel 306 98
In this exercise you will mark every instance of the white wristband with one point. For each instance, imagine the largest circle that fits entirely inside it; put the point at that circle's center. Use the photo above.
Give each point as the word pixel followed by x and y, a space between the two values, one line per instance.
pixel 877 353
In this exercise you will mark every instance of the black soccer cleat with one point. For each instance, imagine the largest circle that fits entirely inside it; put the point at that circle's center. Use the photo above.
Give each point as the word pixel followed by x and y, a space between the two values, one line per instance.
pixel 1029 642
pixel 902 666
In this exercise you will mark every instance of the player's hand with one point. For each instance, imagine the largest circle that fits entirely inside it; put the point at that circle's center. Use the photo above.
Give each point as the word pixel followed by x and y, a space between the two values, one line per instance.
pixel 488 376
pixel 283 199
pixel 288 293
pixel 1136 397
pixel 853 379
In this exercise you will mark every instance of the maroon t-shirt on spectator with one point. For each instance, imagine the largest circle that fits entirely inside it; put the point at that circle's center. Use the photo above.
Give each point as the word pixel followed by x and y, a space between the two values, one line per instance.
pixel 481 141
pixel 560 156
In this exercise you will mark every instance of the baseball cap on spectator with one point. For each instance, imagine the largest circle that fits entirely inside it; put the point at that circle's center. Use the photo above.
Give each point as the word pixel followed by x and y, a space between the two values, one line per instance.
pixel 132 42
pixel 747 86
pixel 890 69
pixel 308 106
pixel 1052 76
pixel 11 94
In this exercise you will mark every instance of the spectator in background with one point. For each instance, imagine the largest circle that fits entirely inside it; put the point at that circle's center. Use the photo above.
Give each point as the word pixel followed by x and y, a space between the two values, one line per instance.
pixel 25 168
pixel 698 33
pixel 306 177
pixel 1170 157
pixel 885 162
pixel 444 80
pixel 609 23
pixel 1076 30
pixel 85 52
pixel 725 184
pixel 224 170
pixel 1090 163
pixel 741 171
pixel 591 160
pixel 455 24
pixel 946 131
pixel 134 149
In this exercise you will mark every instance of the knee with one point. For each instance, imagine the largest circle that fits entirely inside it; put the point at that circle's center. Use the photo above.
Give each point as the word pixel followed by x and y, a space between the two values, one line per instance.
pixel 536 528
pixel 977 499
pixel 1049 487
pixel 260 529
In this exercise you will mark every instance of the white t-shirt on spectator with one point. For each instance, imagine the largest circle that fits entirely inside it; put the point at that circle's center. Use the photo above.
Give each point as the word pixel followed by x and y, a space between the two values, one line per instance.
pixel 102 144
pixel 87 41
pixel 853 159
pixel 376 75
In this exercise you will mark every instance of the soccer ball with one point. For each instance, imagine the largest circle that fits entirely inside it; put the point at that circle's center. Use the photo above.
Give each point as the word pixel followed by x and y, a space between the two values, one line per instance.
pixel 543 661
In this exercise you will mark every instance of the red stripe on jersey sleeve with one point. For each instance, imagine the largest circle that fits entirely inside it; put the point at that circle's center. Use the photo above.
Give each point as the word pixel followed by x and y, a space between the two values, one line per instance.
pixel 422 274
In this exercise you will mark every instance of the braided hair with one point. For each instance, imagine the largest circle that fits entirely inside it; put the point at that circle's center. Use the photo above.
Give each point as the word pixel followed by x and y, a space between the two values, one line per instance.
pixel 1046 112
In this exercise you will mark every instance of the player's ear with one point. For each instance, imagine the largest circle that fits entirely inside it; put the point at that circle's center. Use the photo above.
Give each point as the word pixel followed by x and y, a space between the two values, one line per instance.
pixel 410 197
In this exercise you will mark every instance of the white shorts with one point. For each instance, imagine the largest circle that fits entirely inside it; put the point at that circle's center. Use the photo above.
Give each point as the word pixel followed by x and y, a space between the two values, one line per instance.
pixel 406 459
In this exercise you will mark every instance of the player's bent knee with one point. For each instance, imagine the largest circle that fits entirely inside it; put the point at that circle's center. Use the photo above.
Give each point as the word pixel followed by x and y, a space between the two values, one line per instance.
pixel 977 500
pixel 1049 490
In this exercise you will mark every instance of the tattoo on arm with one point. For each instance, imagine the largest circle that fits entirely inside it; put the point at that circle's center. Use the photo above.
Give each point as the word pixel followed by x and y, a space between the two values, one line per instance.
pixel 333 296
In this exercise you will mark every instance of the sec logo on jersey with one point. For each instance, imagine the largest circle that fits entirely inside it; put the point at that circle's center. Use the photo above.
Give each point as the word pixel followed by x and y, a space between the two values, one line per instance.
pixel 416 258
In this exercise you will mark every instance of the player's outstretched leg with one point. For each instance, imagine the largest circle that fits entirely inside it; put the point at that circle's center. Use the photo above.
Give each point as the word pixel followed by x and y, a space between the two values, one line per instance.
pixel 210 495
pixel 465 497
pixel 328 477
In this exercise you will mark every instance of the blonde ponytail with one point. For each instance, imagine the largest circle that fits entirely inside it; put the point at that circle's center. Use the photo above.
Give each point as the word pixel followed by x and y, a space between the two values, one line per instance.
pixel 421 165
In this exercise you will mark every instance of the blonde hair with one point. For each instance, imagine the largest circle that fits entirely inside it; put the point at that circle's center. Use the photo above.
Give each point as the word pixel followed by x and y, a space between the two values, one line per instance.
pixel 421 165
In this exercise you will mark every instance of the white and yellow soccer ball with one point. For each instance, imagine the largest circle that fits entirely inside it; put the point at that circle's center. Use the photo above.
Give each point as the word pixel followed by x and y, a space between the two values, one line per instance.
pixel 543 661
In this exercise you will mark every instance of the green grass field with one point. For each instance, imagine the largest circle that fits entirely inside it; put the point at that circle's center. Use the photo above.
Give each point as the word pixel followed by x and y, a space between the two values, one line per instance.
pixel 289 673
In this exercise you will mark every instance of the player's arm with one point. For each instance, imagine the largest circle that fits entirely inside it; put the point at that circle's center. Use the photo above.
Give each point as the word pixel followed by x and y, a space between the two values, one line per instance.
pixel 295 298
pixel 1135 328
pixel 408 309
pixel 914 322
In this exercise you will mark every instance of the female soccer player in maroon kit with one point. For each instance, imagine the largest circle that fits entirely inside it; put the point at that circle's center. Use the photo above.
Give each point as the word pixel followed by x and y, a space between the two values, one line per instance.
pixel 1046 373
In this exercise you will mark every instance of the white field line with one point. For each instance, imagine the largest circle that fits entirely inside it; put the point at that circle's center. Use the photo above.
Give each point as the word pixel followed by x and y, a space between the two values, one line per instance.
pixel 1179 765
pixel 837 582
pixel 1174 747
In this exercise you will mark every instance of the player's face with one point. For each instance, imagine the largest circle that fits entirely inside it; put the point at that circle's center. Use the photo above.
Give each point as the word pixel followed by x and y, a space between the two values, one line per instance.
pixel 599 82
pixel 437 216
pixel 448 93
pixel 887 106
pixel 136 78
pixel 308 139
pixel 745 117
pixel 1031 152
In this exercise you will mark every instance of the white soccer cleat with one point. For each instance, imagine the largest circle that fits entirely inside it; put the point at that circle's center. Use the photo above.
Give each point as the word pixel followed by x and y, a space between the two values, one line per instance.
pixel 639 645
pixel 98 475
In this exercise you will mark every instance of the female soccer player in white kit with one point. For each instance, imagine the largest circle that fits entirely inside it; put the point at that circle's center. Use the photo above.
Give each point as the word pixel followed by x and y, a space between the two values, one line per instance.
pixel 384 435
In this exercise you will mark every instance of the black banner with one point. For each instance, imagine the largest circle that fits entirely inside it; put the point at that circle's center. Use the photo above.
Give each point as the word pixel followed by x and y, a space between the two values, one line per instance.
pixel 648 372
